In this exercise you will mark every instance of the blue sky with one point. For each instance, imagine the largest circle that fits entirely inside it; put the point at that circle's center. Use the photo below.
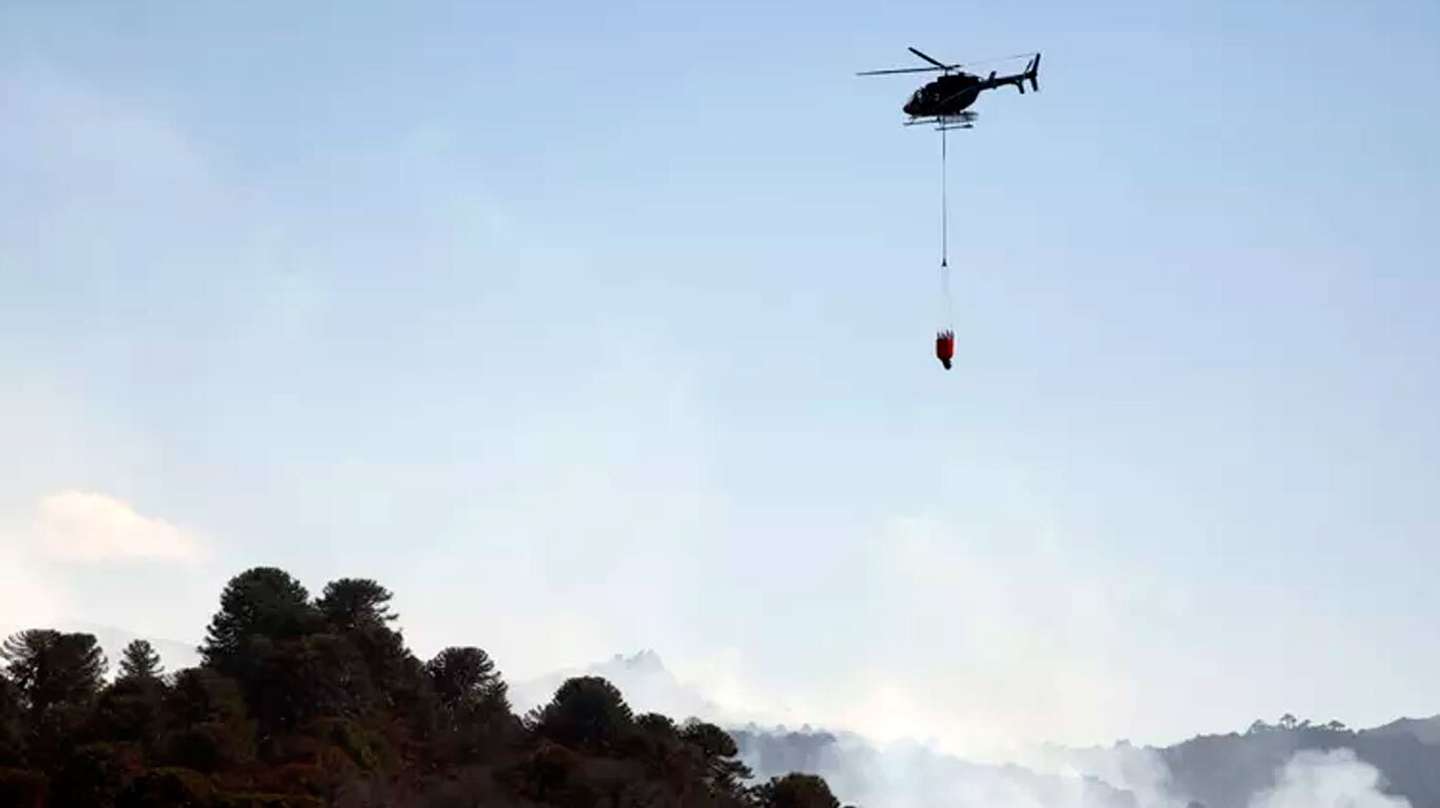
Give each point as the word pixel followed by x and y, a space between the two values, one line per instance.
pixel 595 327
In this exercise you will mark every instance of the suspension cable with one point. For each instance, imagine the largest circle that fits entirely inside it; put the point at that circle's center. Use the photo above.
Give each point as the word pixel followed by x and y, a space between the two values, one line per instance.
pixel 945 226
pixel 944 202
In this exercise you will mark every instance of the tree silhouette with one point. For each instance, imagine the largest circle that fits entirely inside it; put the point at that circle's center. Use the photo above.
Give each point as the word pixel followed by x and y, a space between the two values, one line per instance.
pixel 471 709
pixel 657 724
pixel 351 604
pixel 356 608
pixel 587 712
pixel 796 791
pixel 57 677
pixel 466 677
pixel 260 602
pixel 722 772
pixel 50 668
pixel 140 661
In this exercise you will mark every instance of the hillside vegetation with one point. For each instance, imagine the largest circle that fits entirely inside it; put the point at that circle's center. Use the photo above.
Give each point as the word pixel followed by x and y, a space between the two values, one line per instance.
pixel 304 702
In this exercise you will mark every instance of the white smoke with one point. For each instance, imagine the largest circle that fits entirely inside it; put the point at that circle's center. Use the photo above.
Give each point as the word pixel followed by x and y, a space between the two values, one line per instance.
pixel 1122 775
pixel 1138 770
pixel 915 775
pixel 1333 779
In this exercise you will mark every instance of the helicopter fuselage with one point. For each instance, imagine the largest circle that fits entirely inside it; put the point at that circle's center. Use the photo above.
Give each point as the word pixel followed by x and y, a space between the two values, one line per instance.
pixel 947 95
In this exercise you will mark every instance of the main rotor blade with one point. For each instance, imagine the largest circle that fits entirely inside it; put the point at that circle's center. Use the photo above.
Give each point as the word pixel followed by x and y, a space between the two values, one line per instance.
pixel 946 68
pixel 931 60
pixel 899 70
pixel 993 59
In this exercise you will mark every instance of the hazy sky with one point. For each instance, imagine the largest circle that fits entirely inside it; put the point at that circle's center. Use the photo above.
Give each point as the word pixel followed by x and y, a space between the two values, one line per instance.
pixel 598 326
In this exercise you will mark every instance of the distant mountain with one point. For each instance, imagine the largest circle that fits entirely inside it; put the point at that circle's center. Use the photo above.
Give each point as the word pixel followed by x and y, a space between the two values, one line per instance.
pixel 1424 730
pixel 174 655
pixel 1210 771
pixel 1224 771
pixel 647 684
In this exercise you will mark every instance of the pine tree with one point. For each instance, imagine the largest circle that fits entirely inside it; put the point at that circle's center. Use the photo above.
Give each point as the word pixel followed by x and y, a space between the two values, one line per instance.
pixel 140 661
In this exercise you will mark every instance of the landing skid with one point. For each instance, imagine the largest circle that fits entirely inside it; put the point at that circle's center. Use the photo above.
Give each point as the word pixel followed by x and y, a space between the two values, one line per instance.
pixel 963 120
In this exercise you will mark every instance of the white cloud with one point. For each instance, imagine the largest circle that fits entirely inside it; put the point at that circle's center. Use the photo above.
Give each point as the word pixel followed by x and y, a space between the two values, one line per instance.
pixel 1333 779
pixel 91 527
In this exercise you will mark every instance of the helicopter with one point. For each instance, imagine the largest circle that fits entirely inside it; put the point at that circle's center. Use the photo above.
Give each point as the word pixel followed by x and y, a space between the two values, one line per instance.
pixel 945 101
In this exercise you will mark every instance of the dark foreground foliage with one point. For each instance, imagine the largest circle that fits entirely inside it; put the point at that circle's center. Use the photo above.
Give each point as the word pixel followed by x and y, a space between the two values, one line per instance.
pixel 308 702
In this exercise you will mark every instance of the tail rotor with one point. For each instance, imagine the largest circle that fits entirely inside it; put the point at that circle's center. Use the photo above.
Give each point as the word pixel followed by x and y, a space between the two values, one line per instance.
pixel 1032 70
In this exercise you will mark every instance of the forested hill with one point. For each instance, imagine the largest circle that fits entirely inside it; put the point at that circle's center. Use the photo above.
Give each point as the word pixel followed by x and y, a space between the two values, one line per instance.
pixel 302 701
pixel 1224 771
